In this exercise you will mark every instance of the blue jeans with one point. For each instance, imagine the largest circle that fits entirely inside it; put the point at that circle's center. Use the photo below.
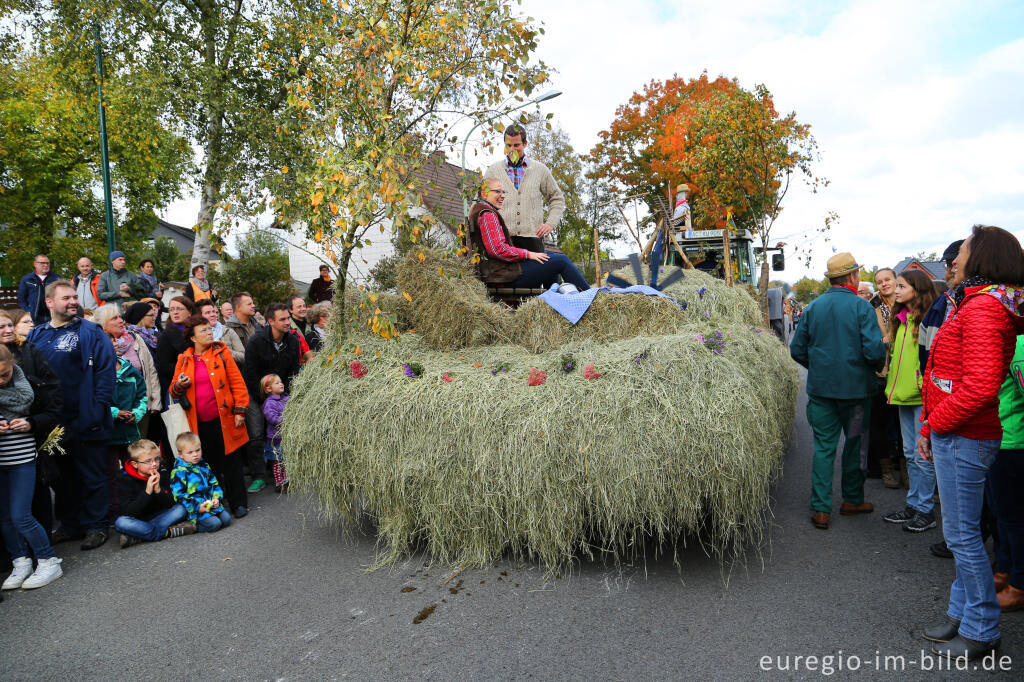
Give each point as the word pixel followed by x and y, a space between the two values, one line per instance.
pixel 155 527
pixel 920 472
pixel 536 274
pixel 211 524
pixel 17 486
pixel 961 467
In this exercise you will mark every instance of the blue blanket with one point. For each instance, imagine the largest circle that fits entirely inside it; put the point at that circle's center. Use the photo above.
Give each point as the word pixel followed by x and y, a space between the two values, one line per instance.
pixel 573 306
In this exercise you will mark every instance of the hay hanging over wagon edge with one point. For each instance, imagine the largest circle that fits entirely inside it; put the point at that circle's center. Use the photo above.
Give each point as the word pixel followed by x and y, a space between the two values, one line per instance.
pixel 674 437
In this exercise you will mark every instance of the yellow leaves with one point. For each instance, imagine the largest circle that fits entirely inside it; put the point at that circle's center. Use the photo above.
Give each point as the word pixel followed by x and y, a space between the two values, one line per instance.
pixel 407 296
pixel 333 206
pixel 476 258
pixel 440 271
pixel 373 298
pixel 319 236
pixel 422 257
pixel 358 350
pixel 317 199
pixel 338 222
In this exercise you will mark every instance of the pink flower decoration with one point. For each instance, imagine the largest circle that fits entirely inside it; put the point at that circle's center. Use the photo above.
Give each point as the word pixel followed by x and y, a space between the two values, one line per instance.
pixel 590 373
pixel 537 377
pixel 357 369
pixel 446 378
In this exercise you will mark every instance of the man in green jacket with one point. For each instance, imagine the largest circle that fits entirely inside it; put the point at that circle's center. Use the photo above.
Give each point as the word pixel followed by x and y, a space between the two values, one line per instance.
pixel 840 344
pixel 119 284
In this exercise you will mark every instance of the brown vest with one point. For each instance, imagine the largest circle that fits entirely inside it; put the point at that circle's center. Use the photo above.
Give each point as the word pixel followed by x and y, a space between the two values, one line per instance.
pixel 492 270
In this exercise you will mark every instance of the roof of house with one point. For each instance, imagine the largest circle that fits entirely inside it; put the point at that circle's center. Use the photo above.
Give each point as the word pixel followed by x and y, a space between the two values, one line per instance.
pixel 440 186
pixel 184 237
pixel 936 269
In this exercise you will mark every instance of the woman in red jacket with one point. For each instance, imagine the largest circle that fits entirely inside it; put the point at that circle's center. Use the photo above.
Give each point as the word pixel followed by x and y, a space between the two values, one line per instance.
pixel 961 432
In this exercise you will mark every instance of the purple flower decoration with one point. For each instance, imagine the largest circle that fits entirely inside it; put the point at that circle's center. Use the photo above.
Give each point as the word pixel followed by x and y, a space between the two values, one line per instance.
pixel 412 369
pixel 701 292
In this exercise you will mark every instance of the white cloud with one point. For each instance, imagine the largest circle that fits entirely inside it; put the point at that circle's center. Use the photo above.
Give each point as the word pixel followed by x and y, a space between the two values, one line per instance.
pixel 918 130
pixel 918 121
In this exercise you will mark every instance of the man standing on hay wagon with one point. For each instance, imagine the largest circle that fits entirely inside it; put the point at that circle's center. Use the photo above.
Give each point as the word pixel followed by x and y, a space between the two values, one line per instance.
pixel 840 344
pixel 528 186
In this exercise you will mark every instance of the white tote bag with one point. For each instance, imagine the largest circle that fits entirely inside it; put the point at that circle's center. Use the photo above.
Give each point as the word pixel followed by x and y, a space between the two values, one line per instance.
pixel 176 423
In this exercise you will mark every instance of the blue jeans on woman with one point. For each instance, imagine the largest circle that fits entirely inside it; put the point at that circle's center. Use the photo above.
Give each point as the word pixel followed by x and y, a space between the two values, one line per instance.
pixel 961 467
pixel 154 527
pixel 536 274
pixel 220 519
pixel 921 472
pixel 17 486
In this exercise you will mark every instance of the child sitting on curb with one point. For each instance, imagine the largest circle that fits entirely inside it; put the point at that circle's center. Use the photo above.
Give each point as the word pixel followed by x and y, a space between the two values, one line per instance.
pixel 149 512
pixel 195 487
pixel 274 400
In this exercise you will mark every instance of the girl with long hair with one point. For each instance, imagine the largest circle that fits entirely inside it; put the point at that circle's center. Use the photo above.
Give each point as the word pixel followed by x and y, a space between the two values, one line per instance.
pixel 914 294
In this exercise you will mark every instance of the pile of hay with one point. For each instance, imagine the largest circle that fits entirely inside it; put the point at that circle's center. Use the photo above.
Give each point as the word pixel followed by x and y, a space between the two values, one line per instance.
pixel 450 308
pixel 679 434
pixel 706 297
pixel 537 326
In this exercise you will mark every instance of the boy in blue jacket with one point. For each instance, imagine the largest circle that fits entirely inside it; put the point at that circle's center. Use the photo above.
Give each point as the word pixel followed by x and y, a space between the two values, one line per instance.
pixel 149 512
pixel 196 488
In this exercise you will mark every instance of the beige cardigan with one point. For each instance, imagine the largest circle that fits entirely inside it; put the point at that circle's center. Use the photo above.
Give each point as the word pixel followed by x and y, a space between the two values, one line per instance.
pixel 523 210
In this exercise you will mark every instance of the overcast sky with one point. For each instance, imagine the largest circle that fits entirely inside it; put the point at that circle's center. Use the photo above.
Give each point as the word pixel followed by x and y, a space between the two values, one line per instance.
pixel 918 107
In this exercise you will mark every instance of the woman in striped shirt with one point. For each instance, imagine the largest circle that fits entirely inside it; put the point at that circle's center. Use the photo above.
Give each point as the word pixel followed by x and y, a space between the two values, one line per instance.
pixel 21 530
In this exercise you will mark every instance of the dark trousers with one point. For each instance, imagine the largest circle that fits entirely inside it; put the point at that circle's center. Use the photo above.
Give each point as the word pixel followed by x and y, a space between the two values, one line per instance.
pixel 545 274
pixel 116 456
pixel 227 468
pixel 1005 483
pixel 255 425
pixel 535 244
pixel 82 501
pixel 829 417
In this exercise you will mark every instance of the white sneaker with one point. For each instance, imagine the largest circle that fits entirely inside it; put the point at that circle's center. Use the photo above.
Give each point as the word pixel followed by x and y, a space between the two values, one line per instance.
pixel 47 571
pixel 22 570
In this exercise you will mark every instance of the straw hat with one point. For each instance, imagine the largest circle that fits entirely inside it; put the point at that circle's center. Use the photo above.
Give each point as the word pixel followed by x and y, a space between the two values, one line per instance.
pixel 682 188
pixel 841 264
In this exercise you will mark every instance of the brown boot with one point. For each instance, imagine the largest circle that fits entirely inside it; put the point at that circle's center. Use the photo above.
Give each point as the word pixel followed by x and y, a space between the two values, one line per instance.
pixel 1001 580
pixel 890 479
pixel 1011 598
pixel 904 477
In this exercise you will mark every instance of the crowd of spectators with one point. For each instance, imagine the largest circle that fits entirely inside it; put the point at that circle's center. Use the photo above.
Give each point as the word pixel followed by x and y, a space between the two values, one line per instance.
pixel 933 377
pixel 121 414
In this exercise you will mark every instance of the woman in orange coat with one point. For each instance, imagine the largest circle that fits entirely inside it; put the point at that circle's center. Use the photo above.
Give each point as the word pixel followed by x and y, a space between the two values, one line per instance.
pixel 211 389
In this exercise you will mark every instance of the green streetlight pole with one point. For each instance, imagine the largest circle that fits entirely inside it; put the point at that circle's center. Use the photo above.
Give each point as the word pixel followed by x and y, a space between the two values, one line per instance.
pixel 550 94
pixel 103 143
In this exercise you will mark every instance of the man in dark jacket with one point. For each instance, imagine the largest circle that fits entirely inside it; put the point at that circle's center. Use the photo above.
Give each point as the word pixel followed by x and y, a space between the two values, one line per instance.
pixel 82 356
pixel 31 289
pixel 118 283
pixel 322 288
pixel 270 350
pixel 840 344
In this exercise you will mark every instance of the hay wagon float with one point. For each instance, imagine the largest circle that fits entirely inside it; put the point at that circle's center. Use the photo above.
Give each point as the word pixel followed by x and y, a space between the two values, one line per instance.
pixel 489 432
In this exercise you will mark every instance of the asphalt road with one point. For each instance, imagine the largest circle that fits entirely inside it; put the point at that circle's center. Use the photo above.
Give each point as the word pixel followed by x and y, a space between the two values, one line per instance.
pixel 278 596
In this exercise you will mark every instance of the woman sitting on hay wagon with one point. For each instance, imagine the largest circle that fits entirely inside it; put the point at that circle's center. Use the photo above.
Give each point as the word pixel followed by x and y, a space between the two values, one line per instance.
pixel 502 263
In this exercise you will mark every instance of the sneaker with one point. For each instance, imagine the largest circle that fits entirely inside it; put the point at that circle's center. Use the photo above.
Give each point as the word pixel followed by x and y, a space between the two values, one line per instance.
pixel 940 550
pixel 901 516
pixel 22 570
pixel 257 485
pixel 241 511
pixel 93 539
pixel 62 534
pixel 180 529
pixel 922 521
pixel 129 540
pixel 47 571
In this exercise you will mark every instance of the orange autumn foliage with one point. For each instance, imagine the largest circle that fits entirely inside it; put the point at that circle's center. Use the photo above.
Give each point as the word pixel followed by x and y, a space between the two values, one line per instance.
pixel 729 144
